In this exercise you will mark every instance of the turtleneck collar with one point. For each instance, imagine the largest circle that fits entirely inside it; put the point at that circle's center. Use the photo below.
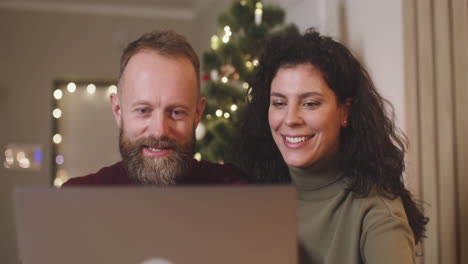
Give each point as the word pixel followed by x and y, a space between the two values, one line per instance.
pixel 317 181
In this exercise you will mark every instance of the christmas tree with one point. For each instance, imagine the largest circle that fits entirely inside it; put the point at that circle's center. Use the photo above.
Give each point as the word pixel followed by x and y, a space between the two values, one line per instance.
pixel 228 68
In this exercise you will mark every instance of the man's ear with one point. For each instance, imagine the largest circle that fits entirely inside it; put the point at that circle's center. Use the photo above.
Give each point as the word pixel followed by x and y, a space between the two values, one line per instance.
pixel 201 104
pixel 116 108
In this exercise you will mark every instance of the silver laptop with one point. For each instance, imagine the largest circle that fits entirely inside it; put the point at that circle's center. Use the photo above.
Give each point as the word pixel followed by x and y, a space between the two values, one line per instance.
pixel 139 225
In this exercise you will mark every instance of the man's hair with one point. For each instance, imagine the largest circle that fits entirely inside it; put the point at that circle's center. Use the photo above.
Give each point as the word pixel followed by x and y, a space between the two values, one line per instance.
pixel 166 43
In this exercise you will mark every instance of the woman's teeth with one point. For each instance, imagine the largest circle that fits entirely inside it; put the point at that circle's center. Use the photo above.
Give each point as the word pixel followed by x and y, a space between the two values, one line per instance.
pixel 296 140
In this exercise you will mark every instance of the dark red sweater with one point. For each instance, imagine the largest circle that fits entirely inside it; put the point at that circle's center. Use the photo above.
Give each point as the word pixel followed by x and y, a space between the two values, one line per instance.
pixel 202 172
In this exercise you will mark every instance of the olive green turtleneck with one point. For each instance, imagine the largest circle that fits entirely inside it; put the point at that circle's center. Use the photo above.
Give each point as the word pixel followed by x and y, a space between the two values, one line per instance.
pixel 336 226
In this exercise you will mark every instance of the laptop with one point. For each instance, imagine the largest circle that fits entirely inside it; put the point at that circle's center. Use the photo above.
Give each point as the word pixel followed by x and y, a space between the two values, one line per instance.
pixel 143 225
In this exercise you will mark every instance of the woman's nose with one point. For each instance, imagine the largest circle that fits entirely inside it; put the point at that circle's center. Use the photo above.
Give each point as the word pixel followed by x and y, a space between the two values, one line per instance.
pixel 293 117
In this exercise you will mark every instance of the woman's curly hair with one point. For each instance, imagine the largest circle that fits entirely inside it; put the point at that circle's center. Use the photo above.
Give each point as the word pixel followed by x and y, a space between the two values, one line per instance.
pixel 371 149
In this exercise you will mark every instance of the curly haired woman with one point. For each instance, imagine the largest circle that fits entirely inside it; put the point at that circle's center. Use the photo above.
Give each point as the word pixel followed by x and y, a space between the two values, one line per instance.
pixel 316 120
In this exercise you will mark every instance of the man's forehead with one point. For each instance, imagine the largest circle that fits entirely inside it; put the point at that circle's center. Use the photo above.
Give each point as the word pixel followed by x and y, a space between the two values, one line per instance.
pixel 147 60
pixel 158 83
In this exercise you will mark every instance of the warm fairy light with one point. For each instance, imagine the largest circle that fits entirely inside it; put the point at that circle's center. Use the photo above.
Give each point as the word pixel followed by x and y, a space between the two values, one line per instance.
pixel 227 115
pixel 20 155
pixel 9 158
pixel 57 113
pixel 57 138
pixel 255 62
pixel 91 88
pixel 58 94
pixel 60 178
pixel 25 163
pixel 258 13
pixel 233 107
pixel 71 87
pixel 214 42
pixel 219 113
pixel 227 34
pixel 243 2
pixel 245 85
pixel 249 64
pixel 112 89
pixel 197 156
pixel 58 182
pixel 208 117
pixel 224 79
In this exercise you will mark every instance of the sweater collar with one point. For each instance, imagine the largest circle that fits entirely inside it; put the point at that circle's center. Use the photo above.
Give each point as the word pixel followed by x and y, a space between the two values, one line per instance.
pixel 319 178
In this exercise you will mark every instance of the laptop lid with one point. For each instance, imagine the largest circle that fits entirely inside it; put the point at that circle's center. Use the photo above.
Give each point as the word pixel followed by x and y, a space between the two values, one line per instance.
pixel 142 225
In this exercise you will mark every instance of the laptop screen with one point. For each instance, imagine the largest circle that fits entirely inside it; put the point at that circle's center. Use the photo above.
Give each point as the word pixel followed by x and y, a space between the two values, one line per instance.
pixel 144 225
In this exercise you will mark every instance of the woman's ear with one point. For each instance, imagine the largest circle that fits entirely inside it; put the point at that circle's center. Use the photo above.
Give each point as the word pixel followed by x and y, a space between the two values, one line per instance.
pixel 345 110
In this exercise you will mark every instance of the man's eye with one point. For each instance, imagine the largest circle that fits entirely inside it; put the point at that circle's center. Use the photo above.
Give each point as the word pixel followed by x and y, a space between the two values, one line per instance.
pixel 142 110
pixel 178 113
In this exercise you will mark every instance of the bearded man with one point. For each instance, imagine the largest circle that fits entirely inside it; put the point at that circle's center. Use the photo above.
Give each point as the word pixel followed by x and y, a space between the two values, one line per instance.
pixel 157 108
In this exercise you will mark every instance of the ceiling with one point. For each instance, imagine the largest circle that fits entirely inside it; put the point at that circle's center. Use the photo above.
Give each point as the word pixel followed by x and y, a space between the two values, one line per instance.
pixel 175 9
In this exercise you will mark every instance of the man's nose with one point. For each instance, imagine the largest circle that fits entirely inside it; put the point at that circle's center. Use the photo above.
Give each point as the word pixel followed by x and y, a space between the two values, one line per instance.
pixel 159 125
pixel 293 117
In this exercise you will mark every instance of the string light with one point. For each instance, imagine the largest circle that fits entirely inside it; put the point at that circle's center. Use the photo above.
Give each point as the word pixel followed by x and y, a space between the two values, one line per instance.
pixel 219 113
pixel 224 79
pixel 58 94
pixel 58 182
pixel 20 155
pixel 71 87
pixel 226 115
pixel 255 62
pixel 249 64
pixel 60 178
pixel 208 117
pixel 214 42
pixel 245 85
pixel 258 13
pixel 25 163
pixel 243 2
pixel 227 34
pixel 233 107
pixel 197 156
pixel 112 89
pixel 57 113
pixel 59 160
pixel 91 88
pixel 9 158
pixel 57 138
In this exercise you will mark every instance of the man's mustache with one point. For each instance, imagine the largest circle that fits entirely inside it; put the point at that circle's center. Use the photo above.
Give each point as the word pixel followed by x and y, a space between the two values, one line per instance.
pixel 153 142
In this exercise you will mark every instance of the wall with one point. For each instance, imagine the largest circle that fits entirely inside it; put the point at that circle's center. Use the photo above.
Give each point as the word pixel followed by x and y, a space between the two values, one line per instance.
pixel 35 49
pixel 373 30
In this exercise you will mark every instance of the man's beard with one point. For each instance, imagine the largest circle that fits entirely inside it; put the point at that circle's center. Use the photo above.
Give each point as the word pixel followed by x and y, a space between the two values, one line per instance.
pixel 155 170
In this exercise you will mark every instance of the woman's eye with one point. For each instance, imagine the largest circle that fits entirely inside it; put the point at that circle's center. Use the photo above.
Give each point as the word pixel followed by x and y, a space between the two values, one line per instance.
pixel 311 104
pixel 278 103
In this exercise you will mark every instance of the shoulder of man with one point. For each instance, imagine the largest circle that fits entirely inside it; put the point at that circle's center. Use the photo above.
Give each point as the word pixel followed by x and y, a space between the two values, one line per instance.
pixel 112 175
pixel 205 172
